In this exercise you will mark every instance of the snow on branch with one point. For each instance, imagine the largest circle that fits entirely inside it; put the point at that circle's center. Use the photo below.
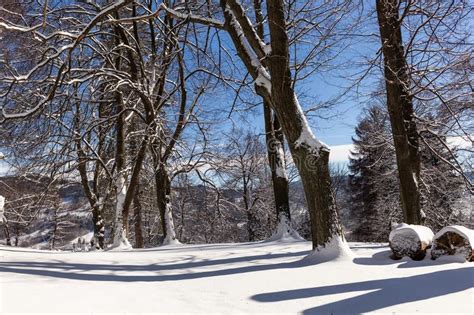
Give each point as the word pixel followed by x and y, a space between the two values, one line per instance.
pixel 258 71
pixel 307 138
pixel 254 40
pixel 193 17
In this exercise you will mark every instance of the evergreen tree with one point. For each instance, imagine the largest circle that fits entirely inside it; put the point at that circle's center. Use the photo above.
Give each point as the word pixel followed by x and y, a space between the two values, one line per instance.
pixel 373 184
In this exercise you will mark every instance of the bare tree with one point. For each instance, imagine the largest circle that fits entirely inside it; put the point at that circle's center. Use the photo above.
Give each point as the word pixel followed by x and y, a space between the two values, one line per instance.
pixel 415 74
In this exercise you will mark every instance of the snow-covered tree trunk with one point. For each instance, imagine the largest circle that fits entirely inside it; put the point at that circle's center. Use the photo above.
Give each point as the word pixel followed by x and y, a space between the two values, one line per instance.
pixel 120 236
pixel 2 207
pixel 163 197
pixel 99 227
pixel 137 213
pixel 121 217
pixel 3 219
pixel 276 158
pixel 275 149
pixel 400 108
pixel 310 155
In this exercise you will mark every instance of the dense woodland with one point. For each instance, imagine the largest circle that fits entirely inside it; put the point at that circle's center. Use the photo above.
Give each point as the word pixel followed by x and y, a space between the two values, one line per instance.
pixel 155 122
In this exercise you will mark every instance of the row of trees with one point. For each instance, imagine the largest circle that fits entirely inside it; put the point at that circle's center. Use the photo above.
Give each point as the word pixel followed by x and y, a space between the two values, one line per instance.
pixel 125 96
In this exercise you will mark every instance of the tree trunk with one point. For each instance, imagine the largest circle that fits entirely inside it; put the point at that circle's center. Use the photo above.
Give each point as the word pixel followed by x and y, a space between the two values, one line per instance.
pixel 310 155
pixel 121 214
pixel 7 232
pixel 248 208
pixel 275 144
pixel 163 197
pixel 400 108
pixel 276 160
pixel 55 230
pixel 138 219
pixel 95 203
pixel 99 227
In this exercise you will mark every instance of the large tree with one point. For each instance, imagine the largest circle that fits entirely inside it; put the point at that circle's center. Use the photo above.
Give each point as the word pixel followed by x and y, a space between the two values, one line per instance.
pixel 400 108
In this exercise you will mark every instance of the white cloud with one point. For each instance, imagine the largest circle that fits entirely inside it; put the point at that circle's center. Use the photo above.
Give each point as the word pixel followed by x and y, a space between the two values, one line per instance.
pixel 340 153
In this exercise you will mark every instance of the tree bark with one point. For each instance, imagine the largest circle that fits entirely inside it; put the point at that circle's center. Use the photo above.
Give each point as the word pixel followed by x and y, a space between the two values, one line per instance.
pixel 7 232
pixel 400 108
pixel 99 226
pixel 121 216
pixel 310 155
pixel 275 144
pixel 163 197
pixel 138 219
pixel 276 160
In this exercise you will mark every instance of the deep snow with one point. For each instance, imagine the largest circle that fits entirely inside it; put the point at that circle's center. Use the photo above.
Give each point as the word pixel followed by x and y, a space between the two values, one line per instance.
pixel 265 277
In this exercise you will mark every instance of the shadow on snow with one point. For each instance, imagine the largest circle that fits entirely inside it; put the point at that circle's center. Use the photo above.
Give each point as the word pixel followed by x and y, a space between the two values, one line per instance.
pixel 72 271
pixel 384 292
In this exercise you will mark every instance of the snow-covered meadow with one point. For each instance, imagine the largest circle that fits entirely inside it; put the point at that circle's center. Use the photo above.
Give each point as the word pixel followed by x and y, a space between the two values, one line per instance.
pixel 263 277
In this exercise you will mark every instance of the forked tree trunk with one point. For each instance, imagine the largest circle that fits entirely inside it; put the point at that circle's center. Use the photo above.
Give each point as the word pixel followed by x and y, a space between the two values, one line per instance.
pixel 400 109
pixel 310 155
pixel 275 145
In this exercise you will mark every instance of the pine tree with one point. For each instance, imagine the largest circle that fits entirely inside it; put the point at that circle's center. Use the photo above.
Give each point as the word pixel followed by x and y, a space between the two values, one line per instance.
pixel 373 180
pixel 374 184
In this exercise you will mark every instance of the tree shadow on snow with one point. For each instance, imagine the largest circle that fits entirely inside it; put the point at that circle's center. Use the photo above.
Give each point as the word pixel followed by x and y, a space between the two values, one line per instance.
pixel 382 258
pixel 86 272
pixel 388 292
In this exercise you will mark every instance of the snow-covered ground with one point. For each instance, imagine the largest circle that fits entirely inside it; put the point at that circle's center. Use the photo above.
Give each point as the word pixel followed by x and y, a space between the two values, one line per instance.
pixel 266 277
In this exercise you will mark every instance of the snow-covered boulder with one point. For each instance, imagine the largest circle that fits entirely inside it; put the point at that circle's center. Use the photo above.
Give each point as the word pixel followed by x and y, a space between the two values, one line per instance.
pixel 410 240
pixel 454 240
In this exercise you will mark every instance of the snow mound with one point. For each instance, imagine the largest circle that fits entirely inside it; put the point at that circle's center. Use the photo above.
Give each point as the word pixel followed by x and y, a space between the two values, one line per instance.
pixel 420 232
pixel 170 241
pixel 121 243
pixel 284 233
pixel 336 249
